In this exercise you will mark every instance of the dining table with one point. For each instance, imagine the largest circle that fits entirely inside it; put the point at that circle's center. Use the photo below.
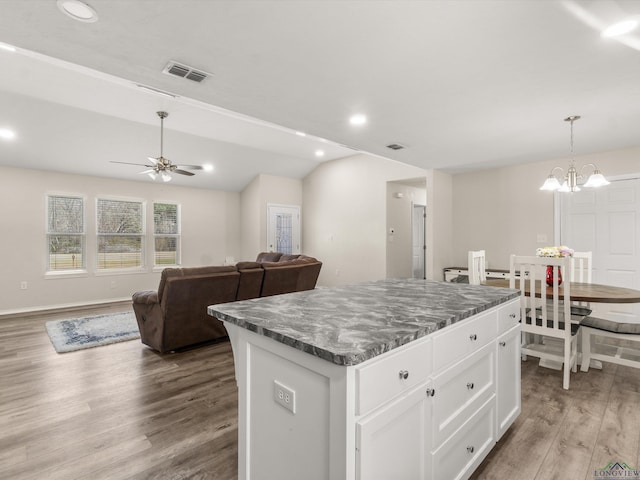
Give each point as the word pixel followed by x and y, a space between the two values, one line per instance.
pixel 584 292
pixel 579 292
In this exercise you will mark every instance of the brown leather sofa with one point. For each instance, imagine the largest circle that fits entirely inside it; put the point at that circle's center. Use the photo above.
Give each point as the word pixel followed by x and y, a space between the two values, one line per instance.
pixel 175 316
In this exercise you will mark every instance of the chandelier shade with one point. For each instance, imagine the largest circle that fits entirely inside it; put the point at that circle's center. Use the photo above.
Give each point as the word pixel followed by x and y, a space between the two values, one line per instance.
pixel 560 181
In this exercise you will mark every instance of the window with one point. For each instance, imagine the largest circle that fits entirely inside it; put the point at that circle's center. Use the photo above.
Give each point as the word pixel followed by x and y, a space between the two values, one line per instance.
pixel 166 234
pixel 65 233
pixel 120 225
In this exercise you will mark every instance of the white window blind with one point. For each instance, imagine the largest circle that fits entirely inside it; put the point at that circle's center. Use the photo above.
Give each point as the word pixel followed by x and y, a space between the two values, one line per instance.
pixel 120 225
pixel 65 233
pixel 166 234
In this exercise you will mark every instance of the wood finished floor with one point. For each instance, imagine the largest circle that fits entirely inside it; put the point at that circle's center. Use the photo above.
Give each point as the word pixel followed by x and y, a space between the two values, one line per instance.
pixel 125 412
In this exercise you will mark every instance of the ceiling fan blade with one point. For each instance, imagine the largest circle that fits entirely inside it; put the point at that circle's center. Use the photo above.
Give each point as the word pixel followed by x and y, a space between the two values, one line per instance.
pixel 129 163
pixel 153 160
pixel 191 167
pixel 182 172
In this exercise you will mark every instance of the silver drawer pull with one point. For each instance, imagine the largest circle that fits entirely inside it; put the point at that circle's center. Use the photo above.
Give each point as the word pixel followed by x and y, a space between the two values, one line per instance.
pixel 404 374
pixel 430 392
pixel 503 344
pixel 470 385
pixel 470 449
pixel 473 337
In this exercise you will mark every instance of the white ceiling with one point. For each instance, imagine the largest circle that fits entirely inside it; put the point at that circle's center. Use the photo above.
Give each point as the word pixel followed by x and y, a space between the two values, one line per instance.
pixel 462 84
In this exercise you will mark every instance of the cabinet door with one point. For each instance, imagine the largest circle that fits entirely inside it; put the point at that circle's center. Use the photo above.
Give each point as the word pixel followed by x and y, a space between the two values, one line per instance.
pixel 392 442
pixel 508 379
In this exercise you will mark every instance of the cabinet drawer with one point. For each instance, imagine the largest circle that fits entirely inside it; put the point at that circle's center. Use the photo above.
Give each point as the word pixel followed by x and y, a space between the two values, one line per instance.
pixel 461 390
pixel 457 341
pixel 508 315
pixel 391 374
pixel 463 452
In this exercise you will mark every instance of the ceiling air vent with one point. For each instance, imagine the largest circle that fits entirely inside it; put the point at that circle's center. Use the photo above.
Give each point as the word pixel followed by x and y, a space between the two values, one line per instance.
pixel 395 146
pixel 184 71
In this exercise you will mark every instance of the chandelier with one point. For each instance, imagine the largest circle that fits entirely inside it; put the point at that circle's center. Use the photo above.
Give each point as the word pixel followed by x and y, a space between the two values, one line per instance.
pixel 569 182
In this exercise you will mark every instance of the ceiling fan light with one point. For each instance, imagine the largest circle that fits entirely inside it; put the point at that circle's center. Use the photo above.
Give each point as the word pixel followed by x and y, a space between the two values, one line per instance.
pixel 551 184
pixel 152 174
pixel 596 180
pixel 165 177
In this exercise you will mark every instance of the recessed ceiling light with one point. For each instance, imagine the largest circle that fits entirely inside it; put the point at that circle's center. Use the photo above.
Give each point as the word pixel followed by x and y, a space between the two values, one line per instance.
pixel 7 134
pixel 319 153
pixel 619 28
pixel 8 48
pixel 358 119
pixel 207 167
pixel 78 10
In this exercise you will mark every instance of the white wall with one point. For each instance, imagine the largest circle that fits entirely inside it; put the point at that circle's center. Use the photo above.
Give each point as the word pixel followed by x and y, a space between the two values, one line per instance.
pixel 503 211
pixel 439 223
pixel 263 190
pixel 210 232
pixel 344 218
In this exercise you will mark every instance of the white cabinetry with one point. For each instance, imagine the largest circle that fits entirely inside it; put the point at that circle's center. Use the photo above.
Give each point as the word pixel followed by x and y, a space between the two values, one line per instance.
pixel 394 441
pixel 429 410
pixel 508 361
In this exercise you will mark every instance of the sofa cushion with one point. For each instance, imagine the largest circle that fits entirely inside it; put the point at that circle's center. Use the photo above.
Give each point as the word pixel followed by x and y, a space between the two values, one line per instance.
pixel 251 275
pixel 188 272
pixel 268 257
pixel 287 256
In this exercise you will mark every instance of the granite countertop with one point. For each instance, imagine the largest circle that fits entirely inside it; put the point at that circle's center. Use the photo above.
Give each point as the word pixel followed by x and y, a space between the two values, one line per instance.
pixel 350 324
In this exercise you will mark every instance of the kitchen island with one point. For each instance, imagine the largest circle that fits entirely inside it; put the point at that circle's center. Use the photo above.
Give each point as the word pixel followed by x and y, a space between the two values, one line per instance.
pixel 392 379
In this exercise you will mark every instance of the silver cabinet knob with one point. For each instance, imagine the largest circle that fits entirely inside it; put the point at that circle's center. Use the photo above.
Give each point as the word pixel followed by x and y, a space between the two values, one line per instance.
pixel 404 374
pixel 430 392
pixel 503 344
pixel 470 449
pixel 470 385
pixel 473 337
pixel 512 315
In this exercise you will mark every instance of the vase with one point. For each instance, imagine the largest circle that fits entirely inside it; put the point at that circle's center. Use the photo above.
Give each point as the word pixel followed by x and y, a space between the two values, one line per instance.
pixel 550 275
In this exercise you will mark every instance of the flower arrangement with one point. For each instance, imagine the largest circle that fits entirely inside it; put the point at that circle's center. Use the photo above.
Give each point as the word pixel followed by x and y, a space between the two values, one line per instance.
pixel 556 252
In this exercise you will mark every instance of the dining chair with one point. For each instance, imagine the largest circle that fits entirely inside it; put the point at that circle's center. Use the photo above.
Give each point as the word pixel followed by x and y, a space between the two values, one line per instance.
pixel 476 267
pixel 581 267
pixel 581 271
pixel 544 317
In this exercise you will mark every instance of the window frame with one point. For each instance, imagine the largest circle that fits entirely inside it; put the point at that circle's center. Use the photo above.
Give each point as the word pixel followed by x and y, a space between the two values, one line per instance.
pixel 142 235
pixel 177 236
pixel 82 270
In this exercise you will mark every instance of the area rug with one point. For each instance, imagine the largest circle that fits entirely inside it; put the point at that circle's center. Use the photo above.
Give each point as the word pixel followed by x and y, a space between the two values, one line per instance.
pixel 86 332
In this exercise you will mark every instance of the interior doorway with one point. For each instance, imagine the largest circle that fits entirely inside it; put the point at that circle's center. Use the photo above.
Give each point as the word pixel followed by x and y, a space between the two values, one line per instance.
pixel 406 223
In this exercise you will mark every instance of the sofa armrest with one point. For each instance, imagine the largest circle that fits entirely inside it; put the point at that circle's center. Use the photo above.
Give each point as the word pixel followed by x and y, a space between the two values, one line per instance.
pixel 147 297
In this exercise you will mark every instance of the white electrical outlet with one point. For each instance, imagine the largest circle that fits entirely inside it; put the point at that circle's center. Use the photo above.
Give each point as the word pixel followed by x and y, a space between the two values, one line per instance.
pixel 285 396
pixel 23 285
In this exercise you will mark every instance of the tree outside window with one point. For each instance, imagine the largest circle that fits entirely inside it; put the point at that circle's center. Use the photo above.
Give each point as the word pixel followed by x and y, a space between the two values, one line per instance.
pixel 120 225
pixel 166 233
pixel 65 233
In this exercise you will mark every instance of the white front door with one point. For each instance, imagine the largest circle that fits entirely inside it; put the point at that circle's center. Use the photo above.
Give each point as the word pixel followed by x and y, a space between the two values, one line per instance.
pixel 283 228
pixel 606 221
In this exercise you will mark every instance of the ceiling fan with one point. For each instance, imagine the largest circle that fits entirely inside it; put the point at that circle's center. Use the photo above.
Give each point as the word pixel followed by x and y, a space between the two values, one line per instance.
pixel 160 165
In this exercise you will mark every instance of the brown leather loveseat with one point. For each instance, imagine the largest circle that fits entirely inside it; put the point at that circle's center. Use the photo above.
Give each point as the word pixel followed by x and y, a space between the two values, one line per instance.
pixel 175 316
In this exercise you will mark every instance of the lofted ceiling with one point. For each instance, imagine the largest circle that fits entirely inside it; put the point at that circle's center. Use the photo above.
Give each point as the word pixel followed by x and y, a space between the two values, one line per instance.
pixel 461 84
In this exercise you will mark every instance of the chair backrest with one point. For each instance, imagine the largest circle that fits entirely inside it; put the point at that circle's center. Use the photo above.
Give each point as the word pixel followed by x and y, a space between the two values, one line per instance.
pixel 581 267
pixel 544 314
pixel 476 267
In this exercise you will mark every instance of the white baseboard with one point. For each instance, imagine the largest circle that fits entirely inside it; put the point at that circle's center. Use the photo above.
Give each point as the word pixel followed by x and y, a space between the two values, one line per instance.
pixel 69 307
